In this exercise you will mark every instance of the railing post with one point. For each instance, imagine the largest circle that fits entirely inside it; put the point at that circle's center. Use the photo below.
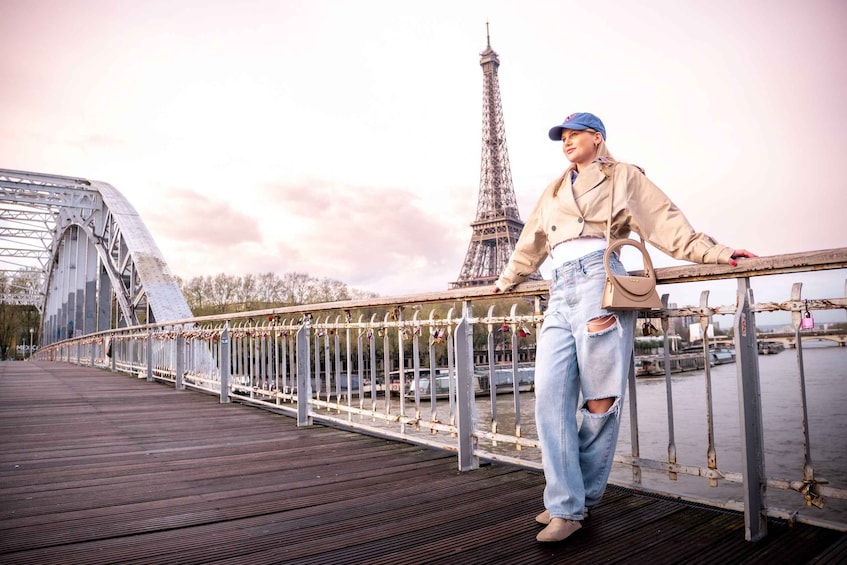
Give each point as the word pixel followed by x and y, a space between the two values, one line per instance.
pixel 633 418
pixel 224 360
pixel 812 497
pixel 465 393
pixel 666 342
pixel 750 414
pixel 180 359
pixel 711 450
pixel 149 355
pixel 304 383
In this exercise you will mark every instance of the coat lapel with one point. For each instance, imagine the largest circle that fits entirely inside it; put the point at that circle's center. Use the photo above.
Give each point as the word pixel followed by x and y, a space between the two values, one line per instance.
pixel 588 180
pixel 569 194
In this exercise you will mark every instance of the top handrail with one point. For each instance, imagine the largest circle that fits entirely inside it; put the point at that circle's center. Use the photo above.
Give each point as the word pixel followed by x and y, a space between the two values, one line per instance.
pixel 820 260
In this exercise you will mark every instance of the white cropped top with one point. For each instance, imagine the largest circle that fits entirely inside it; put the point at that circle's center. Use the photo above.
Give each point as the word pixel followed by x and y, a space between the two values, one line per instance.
pixel 574 249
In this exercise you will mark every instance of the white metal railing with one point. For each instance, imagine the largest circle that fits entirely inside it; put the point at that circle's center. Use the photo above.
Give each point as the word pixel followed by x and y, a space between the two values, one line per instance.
pixel 337 363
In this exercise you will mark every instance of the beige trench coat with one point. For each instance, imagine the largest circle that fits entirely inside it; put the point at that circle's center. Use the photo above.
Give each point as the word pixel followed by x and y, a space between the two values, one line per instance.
pixel 568 210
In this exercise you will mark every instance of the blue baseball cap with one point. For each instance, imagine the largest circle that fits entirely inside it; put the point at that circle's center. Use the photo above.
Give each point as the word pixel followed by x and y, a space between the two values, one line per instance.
pixel 578 121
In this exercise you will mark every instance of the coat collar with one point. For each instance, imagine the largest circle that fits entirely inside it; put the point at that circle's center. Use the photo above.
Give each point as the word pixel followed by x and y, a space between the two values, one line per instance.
pixel 591 177
pixel 567 193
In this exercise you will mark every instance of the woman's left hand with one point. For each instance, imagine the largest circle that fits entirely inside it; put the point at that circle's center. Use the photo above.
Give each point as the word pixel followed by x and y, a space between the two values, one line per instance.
pixel 740 253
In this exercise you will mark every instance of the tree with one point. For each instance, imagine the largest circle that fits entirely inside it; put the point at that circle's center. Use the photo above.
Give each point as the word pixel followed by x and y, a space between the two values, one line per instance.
pixel 224 293
pixel 246 292
pixel 296 288
pixel 194 294
pixel 269 288
pixel 16 319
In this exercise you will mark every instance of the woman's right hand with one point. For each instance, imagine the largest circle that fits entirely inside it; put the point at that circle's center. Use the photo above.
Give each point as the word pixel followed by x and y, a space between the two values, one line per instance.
pixel 740 253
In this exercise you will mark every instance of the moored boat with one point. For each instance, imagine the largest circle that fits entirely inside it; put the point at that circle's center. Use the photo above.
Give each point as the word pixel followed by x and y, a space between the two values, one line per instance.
pixel 503 382
pixel 770 347
pixel 504 377
pixel 654 365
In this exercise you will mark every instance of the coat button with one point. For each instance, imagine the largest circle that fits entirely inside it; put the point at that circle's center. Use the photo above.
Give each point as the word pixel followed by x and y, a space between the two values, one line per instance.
pixel 579 220
pixel 552 228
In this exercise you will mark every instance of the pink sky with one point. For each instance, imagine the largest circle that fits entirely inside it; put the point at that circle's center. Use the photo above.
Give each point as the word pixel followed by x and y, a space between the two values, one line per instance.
pixel 342 139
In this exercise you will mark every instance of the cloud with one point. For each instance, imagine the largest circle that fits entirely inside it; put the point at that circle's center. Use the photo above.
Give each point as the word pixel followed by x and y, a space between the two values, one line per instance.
pixel 201 222
pixel 359 234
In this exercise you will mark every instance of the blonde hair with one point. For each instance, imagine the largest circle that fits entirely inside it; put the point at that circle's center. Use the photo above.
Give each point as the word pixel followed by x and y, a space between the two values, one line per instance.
pixel 603 151
pixel 607 162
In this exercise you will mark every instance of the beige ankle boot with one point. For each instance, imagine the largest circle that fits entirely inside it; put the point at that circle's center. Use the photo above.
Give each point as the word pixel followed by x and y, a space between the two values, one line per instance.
pixel 558 529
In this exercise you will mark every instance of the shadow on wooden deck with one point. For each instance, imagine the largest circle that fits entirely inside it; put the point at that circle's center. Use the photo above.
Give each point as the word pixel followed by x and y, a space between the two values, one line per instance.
pixel 105 468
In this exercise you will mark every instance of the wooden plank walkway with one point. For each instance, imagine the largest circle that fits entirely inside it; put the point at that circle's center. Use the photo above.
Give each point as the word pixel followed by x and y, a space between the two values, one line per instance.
pixel 105 468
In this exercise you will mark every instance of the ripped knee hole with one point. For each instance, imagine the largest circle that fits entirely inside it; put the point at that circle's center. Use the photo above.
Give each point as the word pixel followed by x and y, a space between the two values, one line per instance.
pixel 600 405
pixel 601 323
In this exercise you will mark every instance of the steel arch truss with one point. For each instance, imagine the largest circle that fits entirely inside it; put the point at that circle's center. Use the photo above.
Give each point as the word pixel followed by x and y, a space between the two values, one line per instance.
pixel 78 251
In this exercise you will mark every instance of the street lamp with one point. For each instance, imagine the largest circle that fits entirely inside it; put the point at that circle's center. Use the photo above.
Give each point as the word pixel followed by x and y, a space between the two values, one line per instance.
pixel 30 341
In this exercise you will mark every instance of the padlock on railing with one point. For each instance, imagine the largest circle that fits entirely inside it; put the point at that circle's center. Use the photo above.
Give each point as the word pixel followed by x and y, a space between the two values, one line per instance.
pixel 807 322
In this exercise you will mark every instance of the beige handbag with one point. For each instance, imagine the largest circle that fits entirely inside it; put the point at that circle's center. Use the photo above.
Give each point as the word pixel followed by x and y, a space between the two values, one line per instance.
pixel 625 292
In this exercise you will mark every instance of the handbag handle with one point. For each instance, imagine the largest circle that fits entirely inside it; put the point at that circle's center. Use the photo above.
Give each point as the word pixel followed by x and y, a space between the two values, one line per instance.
pixel 618 243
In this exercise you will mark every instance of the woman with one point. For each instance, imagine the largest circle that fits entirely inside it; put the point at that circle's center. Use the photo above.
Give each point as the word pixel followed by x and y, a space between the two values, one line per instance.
pixel 583 348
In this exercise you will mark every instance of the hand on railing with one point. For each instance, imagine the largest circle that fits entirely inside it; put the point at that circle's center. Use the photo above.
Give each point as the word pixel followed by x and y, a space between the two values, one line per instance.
pixel 738 254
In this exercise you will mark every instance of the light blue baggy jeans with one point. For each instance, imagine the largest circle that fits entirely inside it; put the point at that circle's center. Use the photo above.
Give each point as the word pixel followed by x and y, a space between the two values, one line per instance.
pixel 577 460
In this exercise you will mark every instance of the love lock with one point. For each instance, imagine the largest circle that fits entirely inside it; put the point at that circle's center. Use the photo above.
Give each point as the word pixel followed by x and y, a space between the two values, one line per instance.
pixel 437 336
pixel 812 498
pixel 647 328
pixel 807 322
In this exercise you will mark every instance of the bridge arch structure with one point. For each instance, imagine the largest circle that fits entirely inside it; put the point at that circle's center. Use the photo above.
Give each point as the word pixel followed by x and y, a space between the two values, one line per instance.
pixel 79 252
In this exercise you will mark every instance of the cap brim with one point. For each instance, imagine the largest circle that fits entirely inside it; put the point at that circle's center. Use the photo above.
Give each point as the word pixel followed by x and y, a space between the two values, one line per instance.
pixel 556 132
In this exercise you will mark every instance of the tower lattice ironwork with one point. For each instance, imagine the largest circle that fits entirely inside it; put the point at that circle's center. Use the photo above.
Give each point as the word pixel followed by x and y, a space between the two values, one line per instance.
pixel 498 223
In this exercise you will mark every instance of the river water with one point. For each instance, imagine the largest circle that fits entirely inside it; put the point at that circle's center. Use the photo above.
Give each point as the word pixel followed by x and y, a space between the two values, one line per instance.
pixel 826 393
pixel 826 398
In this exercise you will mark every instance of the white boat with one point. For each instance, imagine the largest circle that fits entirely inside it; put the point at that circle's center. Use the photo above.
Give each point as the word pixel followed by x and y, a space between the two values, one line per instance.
pixel 721 355
pixel 503 379
pixel 409 379
pixel 424 388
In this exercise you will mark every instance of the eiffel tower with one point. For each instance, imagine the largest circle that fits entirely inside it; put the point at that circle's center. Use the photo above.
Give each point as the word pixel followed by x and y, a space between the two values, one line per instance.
pixel 498 223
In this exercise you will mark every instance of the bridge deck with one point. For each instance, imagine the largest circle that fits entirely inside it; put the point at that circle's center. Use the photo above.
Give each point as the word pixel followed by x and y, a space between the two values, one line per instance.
pixel 103 468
